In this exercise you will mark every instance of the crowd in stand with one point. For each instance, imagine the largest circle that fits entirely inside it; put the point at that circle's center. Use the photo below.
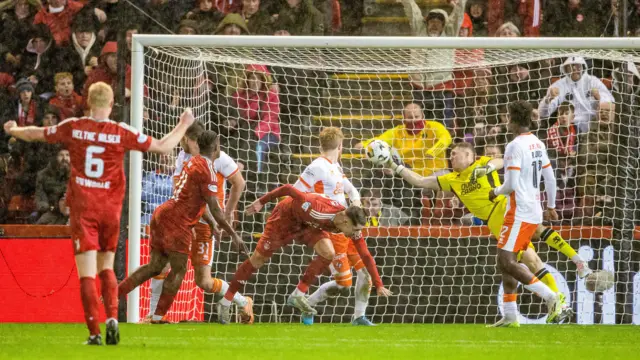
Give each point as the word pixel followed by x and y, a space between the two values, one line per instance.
pixel 51 51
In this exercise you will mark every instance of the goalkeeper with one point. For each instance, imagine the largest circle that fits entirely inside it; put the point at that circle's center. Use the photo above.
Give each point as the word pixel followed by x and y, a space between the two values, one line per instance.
pixel 471 181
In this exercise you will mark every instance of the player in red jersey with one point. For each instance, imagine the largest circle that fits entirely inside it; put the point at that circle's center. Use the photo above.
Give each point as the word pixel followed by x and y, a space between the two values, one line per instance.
pixel 95 193
pixel 308 218
pixel 172 223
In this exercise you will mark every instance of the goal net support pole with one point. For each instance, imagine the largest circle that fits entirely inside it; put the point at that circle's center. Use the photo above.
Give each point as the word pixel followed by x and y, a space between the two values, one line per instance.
pixel 532 49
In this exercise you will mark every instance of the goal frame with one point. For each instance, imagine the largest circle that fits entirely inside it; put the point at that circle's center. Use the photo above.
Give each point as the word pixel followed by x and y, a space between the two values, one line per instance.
pixel 140 41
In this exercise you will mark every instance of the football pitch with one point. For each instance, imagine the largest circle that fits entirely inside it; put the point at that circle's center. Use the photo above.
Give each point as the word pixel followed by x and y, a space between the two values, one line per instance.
pixel 320 341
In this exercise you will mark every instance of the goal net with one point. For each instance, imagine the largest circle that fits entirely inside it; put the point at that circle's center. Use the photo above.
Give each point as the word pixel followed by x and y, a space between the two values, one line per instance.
pixel 270 98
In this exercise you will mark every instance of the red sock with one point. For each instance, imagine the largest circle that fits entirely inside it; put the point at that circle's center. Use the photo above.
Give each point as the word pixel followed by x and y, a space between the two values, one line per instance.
pixel 315 268
pixel 125 287
pixel 164 303
pixel 109 293
pixel 89 295
pixel 244 272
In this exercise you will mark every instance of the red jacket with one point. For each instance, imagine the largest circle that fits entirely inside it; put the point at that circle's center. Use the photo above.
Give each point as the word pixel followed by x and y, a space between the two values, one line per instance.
pixel 59 23
pixel 263 108
pixel 69 107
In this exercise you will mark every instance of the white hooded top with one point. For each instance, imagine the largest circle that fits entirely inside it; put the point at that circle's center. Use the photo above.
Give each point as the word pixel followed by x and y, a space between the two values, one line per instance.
pixel 579 93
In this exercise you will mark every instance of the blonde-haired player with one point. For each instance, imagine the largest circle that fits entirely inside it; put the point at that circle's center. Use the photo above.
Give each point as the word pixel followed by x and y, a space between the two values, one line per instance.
pixel 95 193
pixel 325 176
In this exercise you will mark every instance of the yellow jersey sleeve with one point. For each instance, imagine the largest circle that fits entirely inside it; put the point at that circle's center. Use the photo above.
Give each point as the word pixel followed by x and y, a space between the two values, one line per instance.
pixel 443 136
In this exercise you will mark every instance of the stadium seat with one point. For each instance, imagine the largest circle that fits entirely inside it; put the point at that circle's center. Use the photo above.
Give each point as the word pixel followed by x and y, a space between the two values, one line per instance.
pixel 20 209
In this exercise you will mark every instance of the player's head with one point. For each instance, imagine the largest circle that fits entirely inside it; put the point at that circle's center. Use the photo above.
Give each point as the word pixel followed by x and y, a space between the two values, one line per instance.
pixel 100 96
pixel 462 156
pixel 520 116
pixel 209 144
pixel 331 139
pixel 565 113
pixel 189 141
pixel 350 221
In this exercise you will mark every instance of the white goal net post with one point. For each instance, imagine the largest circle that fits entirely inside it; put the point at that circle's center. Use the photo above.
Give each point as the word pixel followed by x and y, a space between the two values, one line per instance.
pixel 436 257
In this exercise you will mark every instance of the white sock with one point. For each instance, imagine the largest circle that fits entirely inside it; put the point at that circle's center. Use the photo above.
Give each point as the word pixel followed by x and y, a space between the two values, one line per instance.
pixel 321 294
pixel 542 290
pixel 157 317
pixel 577 259
pixel 238 298
pixel 114 319
pixel 156 290
pixel 225 302
pixel 363 291
pixel 510 310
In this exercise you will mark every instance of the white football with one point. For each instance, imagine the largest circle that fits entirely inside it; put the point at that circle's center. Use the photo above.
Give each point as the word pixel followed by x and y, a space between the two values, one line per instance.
pixel 599 281
pixel 378 152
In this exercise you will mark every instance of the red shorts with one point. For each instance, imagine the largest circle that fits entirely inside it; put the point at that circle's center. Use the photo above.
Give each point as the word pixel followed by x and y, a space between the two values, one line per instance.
pixel 167 236
pixel 515 236
pixel 202 246
pixel 94 230
pixel 281 230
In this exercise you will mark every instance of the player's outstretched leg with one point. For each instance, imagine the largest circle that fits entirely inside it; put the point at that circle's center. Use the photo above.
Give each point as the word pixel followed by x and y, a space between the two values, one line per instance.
pixel 297 299
pixel 156 263
pixel 555 241
pixel 171 285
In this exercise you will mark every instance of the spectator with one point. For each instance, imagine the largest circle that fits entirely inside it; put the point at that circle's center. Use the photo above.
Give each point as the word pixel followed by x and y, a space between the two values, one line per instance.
pixel 16 24
pixel 189 27
pixel 107 71
pixel 157 185
pixel 493 151
pixel 232 24
pixel 27 109
pixel 584 91
pixel 80 57
pixel 66 99
pixel 507 29
pixel 39 62
pixel 525 15
pixel 300 17
pixel 51 185
pixel 561 139
pixel 259 22
pixel 478 17
pixel 206 16
pixel 421 143
pixel 57 16
pixel 434 89
pixel 387 215
pixel 633 18
pixel 574 18
pixel 597 167
pixel 258 103
pixel 228 6
pixel 50 116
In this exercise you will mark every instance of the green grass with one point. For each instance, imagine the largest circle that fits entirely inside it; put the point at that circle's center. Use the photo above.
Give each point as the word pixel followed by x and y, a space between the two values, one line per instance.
pixel 293 341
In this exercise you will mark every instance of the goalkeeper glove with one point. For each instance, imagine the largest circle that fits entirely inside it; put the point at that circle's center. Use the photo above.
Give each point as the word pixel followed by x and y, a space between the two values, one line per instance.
pixel 481 171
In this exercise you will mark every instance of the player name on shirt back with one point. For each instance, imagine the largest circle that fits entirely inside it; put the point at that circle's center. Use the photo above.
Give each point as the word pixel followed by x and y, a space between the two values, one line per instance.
pixel 91 136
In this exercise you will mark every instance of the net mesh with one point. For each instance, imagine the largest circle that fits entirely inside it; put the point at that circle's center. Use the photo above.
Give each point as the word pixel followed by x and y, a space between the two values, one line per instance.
pixel 435 256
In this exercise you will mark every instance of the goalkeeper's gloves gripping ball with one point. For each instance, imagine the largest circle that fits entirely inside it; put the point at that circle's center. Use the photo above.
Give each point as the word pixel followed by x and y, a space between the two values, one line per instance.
pixel 481 171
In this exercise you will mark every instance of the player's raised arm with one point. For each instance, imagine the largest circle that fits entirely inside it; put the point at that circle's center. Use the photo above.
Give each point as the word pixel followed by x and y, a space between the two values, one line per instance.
pixel 284 190
pixel 492 165
pixel 26 133
pixel 171 140
pixel 430 182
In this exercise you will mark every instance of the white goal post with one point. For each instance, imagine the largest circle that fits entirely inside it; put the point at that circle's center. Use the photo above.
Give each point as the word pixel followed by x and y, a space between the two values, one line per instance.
pixel 191 55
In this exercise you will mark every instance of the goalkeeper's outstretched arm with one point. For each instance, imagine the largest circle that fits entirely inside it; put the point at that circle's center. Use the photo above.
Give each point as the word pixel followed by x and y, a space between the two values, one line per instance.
pixel 429 182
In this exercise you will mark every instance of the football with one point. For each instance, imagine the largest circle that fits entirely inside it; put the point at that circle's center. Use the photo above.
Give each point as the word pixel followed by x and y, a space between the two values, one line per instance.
pixel 599 281
pixel 378 152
